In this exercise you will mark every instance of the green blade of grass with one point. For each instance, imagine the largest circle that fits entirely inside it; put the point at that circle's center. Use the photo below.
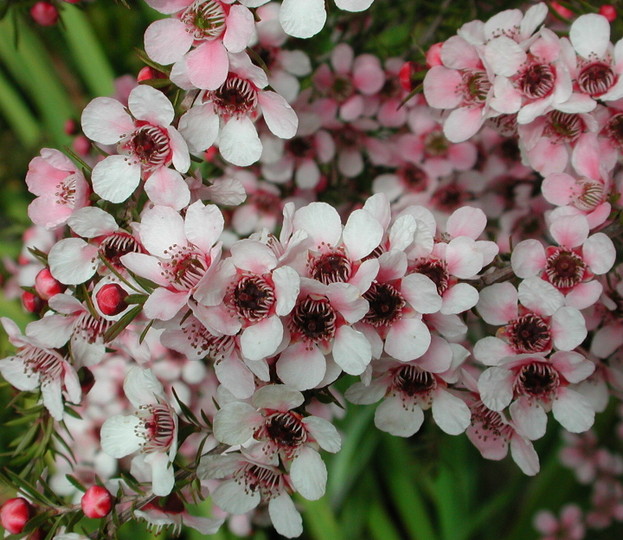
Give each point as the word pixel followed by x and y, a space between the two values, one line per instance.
pixel 320 522
pixel 87 52
pixel 380 524
pixel 17 114
pixel 32 68
pixel 399 472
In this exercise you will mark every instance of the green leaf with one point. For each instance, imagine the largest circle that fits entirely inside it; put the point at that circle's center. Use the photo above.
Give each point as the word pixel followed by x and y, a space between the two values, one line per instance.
pixel 122 323
pixel 320 522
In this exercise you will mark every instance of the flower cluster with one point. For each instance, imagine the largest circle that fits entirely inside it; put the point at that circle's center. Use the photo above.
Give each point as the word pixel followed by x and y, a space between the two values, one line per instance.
pixel 204 309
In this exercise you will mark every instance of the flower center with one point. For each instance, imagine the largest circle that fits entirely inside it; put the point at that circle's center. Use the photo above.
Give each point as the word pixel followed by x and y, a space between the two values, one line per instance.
pixel 614 130
pixel 315 319
pixel 150 146
pixel 91 328
pixel 436 270
pixel 412 381
pixel 414 177
pixel 436 144
pixel 537 80
pixel 386 304
pixel 563 127
pixel 117 244
pixel 157 427
pixel 66 190
pixel 528 334
pixel 331 268
pixel 564 269
pixel 537 379
pixel 268 481
pixel 476 86
pixel 342 88
pixel 185 266
pixel 596 79
pixel 206 343
pixel 301 147
pixel 235 97
pixel 591 194
pixel 286 430
pixel 252 298
pixel 48 364
pixel 204 19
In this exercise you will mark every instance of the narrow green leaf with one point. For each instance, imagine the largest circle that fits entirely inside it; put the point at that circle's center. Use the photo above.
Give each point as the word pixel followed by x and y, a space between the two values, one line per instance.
pixel 87 52
pixel 18 115
pixel 320 522
pixel 122 323
pixel 380 524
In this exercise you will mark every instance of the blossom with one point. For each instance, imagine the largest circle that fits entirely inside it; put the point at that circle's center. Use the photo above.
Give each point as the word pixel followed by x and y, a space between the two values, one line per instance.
pixel 38 365
pixel 198 38
pixel 60 188
pixel 147 144
pixel 151 430
pixel 181 251
pixel 246 483
pixel 283 433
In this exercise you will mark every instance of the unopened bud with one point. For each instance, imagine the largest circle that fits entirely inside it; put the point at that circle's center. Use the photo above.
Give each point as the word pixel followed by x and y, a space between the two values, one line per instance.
pixel 564 12
pixel 96 502
pixel 44 13
pixel 405 76
pixel 14 514
pixel 609 12
pixel 433 55
pixel 46 285
pixel 31 302
pixel 81 145
pixel 148 73
pixel 111 299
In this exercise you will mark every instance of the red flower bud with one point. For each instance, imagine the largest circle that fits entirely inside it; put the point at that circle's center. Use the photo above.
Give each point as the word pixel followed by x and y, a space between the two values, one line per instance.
pixel 31 302
pixel 14 514
pixel 147 73
pixel 96 502
pixel 609 12
pixel 111 299
pixel 46 285
pixel 433 55
pixel 561 10
pixel 44 13
pixel 404 76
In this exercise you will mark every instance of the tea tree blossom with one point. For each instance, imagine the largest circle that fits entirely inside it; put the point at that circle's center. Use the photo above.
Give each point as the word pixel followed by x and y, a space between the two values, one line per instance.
pixel 151 430
pixel 37 365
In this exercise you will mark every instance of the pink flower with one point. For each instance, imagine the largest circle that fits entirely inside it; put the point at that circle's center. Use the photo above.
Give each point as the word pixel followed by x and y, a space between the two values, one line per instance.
pixel 181 251
pixel 535 385
pixel 198 38
pixel 408 389
pixel 285 436
pixel 60 187
pixel 569 527
pixel 230 110
pixel 37 365
pixel 570 267
pixel 247 482
pixel 147 144
pixel 151 430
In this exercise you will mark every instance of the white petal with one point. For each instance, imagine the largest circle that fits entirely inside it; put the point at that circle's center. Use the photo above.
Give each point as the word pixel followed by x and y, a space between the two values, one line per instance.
pixel 234 498
pixel 450 413
pixel 115 178
pixel 278 397
pixel 147 103
pixel 278 114
pixel 118 436
pixel 300 368
pixel 92 221
pixel 106 121
pixel 142 387
pixel 351 350
pixel 393 417
pixel 590 34
pixel 324 432
pixel 573 411
pixel 285 517
pixel 407 339
pixel 162 474
pixel 239 143
pixel 496 388
pixel 302 18
pixel 199 126
pixel 234 423
pixel 72 261
pixel 362 233
pixel 261 340
pixel 203 225
pixel 309 473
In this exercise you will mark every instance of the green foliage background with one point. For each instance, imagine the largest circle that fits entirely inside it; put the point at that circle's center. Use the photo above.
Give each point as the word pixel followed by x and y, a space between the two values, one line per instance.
pixel 429 487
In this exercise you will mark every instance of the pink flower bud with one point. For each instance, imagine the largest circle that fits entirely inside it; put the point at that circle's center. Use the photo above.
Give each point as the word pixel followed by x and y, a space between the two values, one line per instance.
pixel 561 10
pixel 44 13
pixel 405 76
pixel 31 302
pixel 70 127
pixel 96 502
pixel 609 12
pixel 111 299
pixel 433 55
pixel 147 73
pixel 81 145
pixel 14 514
pixel 46 285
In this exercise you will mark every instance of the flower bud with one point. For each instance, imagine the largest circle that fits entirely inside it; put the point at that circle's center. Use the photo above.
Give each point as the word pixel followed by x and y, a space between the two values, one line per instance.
pixel 147 73
pixel 405 76
pixel 47 286
pixel 564 12
pixel 96 502
pixel 31 302
pixel 609 12
pixel 433 55
pixel 111 299
pixel 44 13
pixel 14 514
